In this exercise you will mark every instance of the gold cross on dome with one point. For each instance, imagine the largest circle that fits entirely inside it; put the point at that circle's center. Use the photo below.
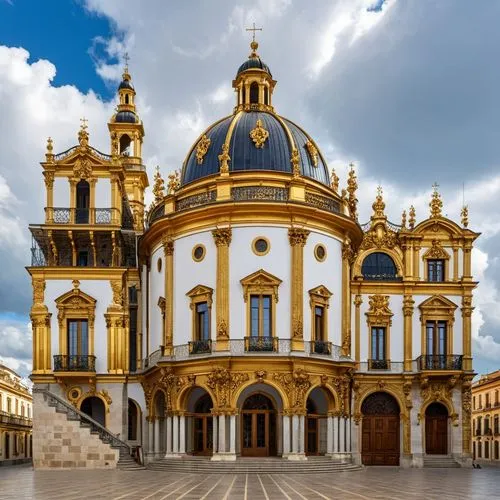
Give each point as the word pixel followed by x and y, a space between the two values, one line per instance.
pixel 84 123
pixel 254 29
pixel 435 187
pixel 127 59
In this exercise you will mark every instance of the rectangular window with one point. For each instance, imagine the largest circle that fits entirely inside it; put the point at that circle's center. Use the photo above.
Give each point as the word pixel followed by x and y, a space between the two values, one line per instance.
pixel 202 321
pixel 436 338
pixel 78 340
pixel 378 343
pixel 495 425
pixel 479 450
pixel 480 401
pixel 9 405
pixel 319 323
pixel 474 403
pixel 132 311
pixel 261 316
pixel 435 270
pixel 83 259
pixel 487 400
pixel 486 449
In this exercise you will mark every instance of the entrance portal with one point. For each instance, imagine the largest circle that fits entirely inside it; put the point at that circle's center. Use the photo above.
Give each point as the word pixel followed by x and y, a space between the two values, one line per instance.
pixel 203 439
pixel 258 427
pixel 436 429
pixel 380 430
pixel 94 408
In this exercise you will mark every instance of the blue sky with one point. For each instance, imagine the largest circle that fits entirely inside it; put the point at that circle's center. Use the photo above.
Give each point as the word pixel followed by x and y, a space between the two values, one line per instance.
pixel 406 90
pixel 64 32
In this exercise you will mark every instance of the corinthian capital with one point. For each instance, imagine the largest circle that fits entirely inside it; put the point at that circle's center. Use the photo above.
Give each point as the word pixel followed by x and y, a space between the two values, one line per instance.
pixel 223 236
pixel 298 236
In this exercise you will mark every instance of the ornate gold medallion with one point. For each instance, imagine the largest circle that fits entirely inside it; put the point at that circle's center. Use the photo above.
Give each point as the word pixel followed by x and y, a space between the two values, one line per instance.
pixel 202 148
pixel 259 134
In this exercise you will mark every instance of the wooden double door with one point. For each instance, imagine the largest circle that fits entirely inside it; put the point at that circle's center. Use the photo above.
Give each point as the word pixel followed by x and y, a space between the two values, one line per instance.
pixel 203 442
pixel 380 430
pixel 258 427
pixel 436 429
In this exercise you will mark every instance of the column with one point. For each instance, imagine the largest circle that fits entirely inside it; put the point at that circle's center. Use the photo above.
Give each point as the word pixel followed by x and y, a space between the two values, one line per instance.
pixel 182 434
pixel 222 238
pixel 232 435
pixel 157 436
pixel 347 253
pixel 222 433
pixel 169 435
pixel 216 435
pixel 302 422
pixel 335 434
pixel 467 332
pixel 357 327
pixel 329 435
pixel 416 262
pixel 295 434
pixel 467 260
pixel 286 435
pixel 175 426
pixel 150 435
pixel 49 184
pixel 297 238
pixel 168 249
pixel 348 435
pixel 341 434
pixel 408 321
pixel 455 262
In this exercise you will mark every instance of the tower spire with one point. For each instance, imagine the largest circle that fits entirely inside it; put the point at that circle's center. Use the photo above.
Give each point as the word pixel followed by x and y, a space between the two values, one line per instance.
pixel 253 45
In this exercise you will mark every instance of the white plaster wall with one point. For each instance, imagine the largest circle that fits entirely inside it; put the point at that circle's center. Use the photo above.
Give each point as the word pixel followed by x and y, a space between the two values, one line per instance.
pixel 156 290
pixel 187 275
pixel 61 192
pixel 103 193
pixel 363 334
pixel 329 274
pixel 460 263
pixel 99 290
pixel 136 392
pixel 244 262
pixel 457 326
pixel 144 309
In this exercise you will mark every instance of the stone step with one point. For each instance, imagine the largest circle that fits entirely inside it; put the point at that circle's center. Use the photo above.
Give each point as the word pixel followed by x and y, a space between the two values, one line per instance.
pixel 441 461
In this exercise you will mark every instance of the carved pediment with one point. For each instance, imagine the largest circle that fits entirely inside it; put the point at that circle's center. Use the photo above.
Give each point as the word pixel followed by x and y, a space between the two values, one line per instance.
pixel 260 282
pixel 436 251
pixel 437 304
pixel 199 290
pixel 379 312
pixel 321 291
pixel 75 298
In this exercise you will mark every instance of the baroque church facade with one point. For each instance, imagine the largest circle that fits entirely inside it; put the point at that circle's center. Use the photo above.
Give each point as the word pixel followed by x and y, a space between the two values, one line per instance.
pixel 247 312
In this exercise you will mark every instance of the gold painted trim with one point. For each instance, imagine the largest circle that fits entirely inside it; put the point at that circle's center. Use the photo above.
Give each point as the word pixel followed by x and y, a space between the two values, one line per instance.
pixel 316 256
pixel 379 315
pixel 254 249
pixel 198 245
pixel 320 297
pixel 199 294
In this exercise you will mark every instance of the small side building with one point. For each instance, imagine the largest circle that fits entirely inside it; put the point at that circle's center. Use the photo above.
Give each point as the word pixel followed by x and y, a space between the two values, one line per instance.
pixel 15 419
pixel 485 419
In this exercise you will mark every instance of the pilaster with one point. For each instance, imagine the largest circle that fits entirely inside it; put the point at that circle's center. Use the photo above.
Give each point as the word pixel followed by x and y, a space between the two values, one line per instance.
pixel 408 304
pixel 168 248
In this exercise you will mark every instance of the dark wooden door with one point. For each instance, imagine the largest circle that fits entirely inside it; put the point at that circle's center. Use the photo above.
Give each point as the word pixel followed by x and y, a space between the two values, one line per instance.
pixel 380 445
pixel 312 435
pixel 380 430
pixel 255 433
pixel 436 435
pixel 203 435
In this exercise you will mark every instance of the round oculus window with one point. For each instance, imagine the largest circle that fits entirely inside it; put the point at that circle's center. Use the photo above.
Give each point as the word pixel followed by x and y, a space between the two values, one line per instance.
pixel 320 252
pixel 198 253
pixel 261 245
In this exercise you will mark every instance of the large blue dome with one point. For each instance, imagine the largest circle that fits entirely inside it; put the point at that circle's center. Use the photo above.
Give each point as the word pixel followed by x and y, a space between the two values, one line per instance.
pixel 273 155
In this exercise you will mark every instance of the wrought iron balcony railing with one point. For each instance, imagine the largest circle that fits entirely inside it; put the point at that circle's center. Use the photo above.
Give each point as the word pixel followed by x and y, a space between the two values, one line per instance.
pixel 200 346
pixel 440 362
pixel 8 418
pixel 379 364
pixel 59 215
pixel 74 363
pixel 321 347
pixel 261 344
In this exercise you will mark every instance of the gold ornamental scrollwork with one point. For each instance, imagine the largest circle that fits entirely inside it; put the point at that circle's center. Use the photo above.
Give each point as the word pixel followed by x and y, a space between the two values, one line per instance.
pixel 295 385
pixel 202 148
pixel 224 383
pixel 313 152
pixel 298 236
pixel 38 291
pixel 295 162
pixel 224 159
pixel 259 134
pixel 222 236
pixel 82 168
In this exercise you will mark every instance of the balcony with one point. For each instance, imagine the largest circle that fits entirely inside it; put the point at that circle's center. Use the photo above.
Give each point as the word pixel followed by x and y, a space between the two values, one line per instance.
pixel 477 432
pixel 74 363
pixel 200 347
pixel 379 364
pixel 9 419
pixel 261 344
pixel 320 347
pixel 59 215
pixel 488 432
pixel 440 362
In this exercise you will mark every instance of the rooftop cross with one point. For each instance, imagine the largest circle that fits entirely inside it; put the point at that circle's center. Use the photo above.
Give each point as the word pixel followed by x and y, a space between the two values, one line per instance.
pixel 435 187
pixel 127 59
pixel 84 123
pixel 254 29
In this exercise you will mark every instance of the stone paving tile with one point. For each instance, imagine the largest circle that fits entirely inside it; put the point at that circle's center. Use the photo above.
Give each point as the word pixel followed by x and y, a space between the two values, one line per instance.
pixel 21 482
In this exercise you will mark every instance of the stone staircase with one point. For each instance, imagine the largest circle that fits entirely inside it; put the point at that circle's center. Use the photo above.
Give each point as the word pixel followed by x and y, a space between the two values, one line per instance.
pixel 440 461
pixel 125 460
pixel 258 465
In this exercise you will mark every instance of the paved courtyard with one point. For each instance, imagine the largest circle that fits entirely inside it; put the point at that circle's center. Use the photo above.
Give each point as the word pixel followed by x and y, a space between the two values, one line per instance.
pixel 383 483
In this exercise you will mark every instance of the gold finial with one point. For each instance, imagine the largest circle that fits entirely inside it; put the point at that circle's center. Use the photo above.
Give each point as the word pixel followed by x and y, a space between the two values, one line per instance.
pixel 174 181
pixel 379 205
pixel 295 161
pixel 49 155
pixel 465 216
pixel 254 45
pixel 127 59
pixel 436 203
pixel 83 122
pixel 352 186
pixel 158 186
pixel 202 148
pixel 83 135
pixel 403 220
pixel 334 181
pixel 412 219
pixel 224 160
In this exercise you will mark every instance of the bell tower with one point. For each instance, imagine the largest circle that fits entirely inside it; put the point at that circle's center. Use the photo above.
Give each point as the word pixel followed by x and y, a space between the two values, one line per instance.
pixel 127 132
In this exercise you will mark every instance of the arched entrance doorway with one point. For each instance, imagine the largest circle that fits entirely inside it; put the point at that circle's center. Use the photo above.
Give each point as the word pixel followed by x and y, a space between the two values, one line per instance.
pixel 316 422
pixel 94 408
pixel 436 429
pixel 203 426
pixel 258 427
pixel 134 421
pixel 380 430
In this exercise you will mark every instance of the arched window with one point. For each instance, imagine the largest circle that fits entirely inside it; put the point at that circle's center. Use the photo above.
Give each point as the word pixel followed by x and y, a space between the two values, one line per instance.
pixel 125 142
pixel 133 420
pixel 379 266
pixel 254 93
pixel 126 99
pixel 82 202
pixel 95 409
